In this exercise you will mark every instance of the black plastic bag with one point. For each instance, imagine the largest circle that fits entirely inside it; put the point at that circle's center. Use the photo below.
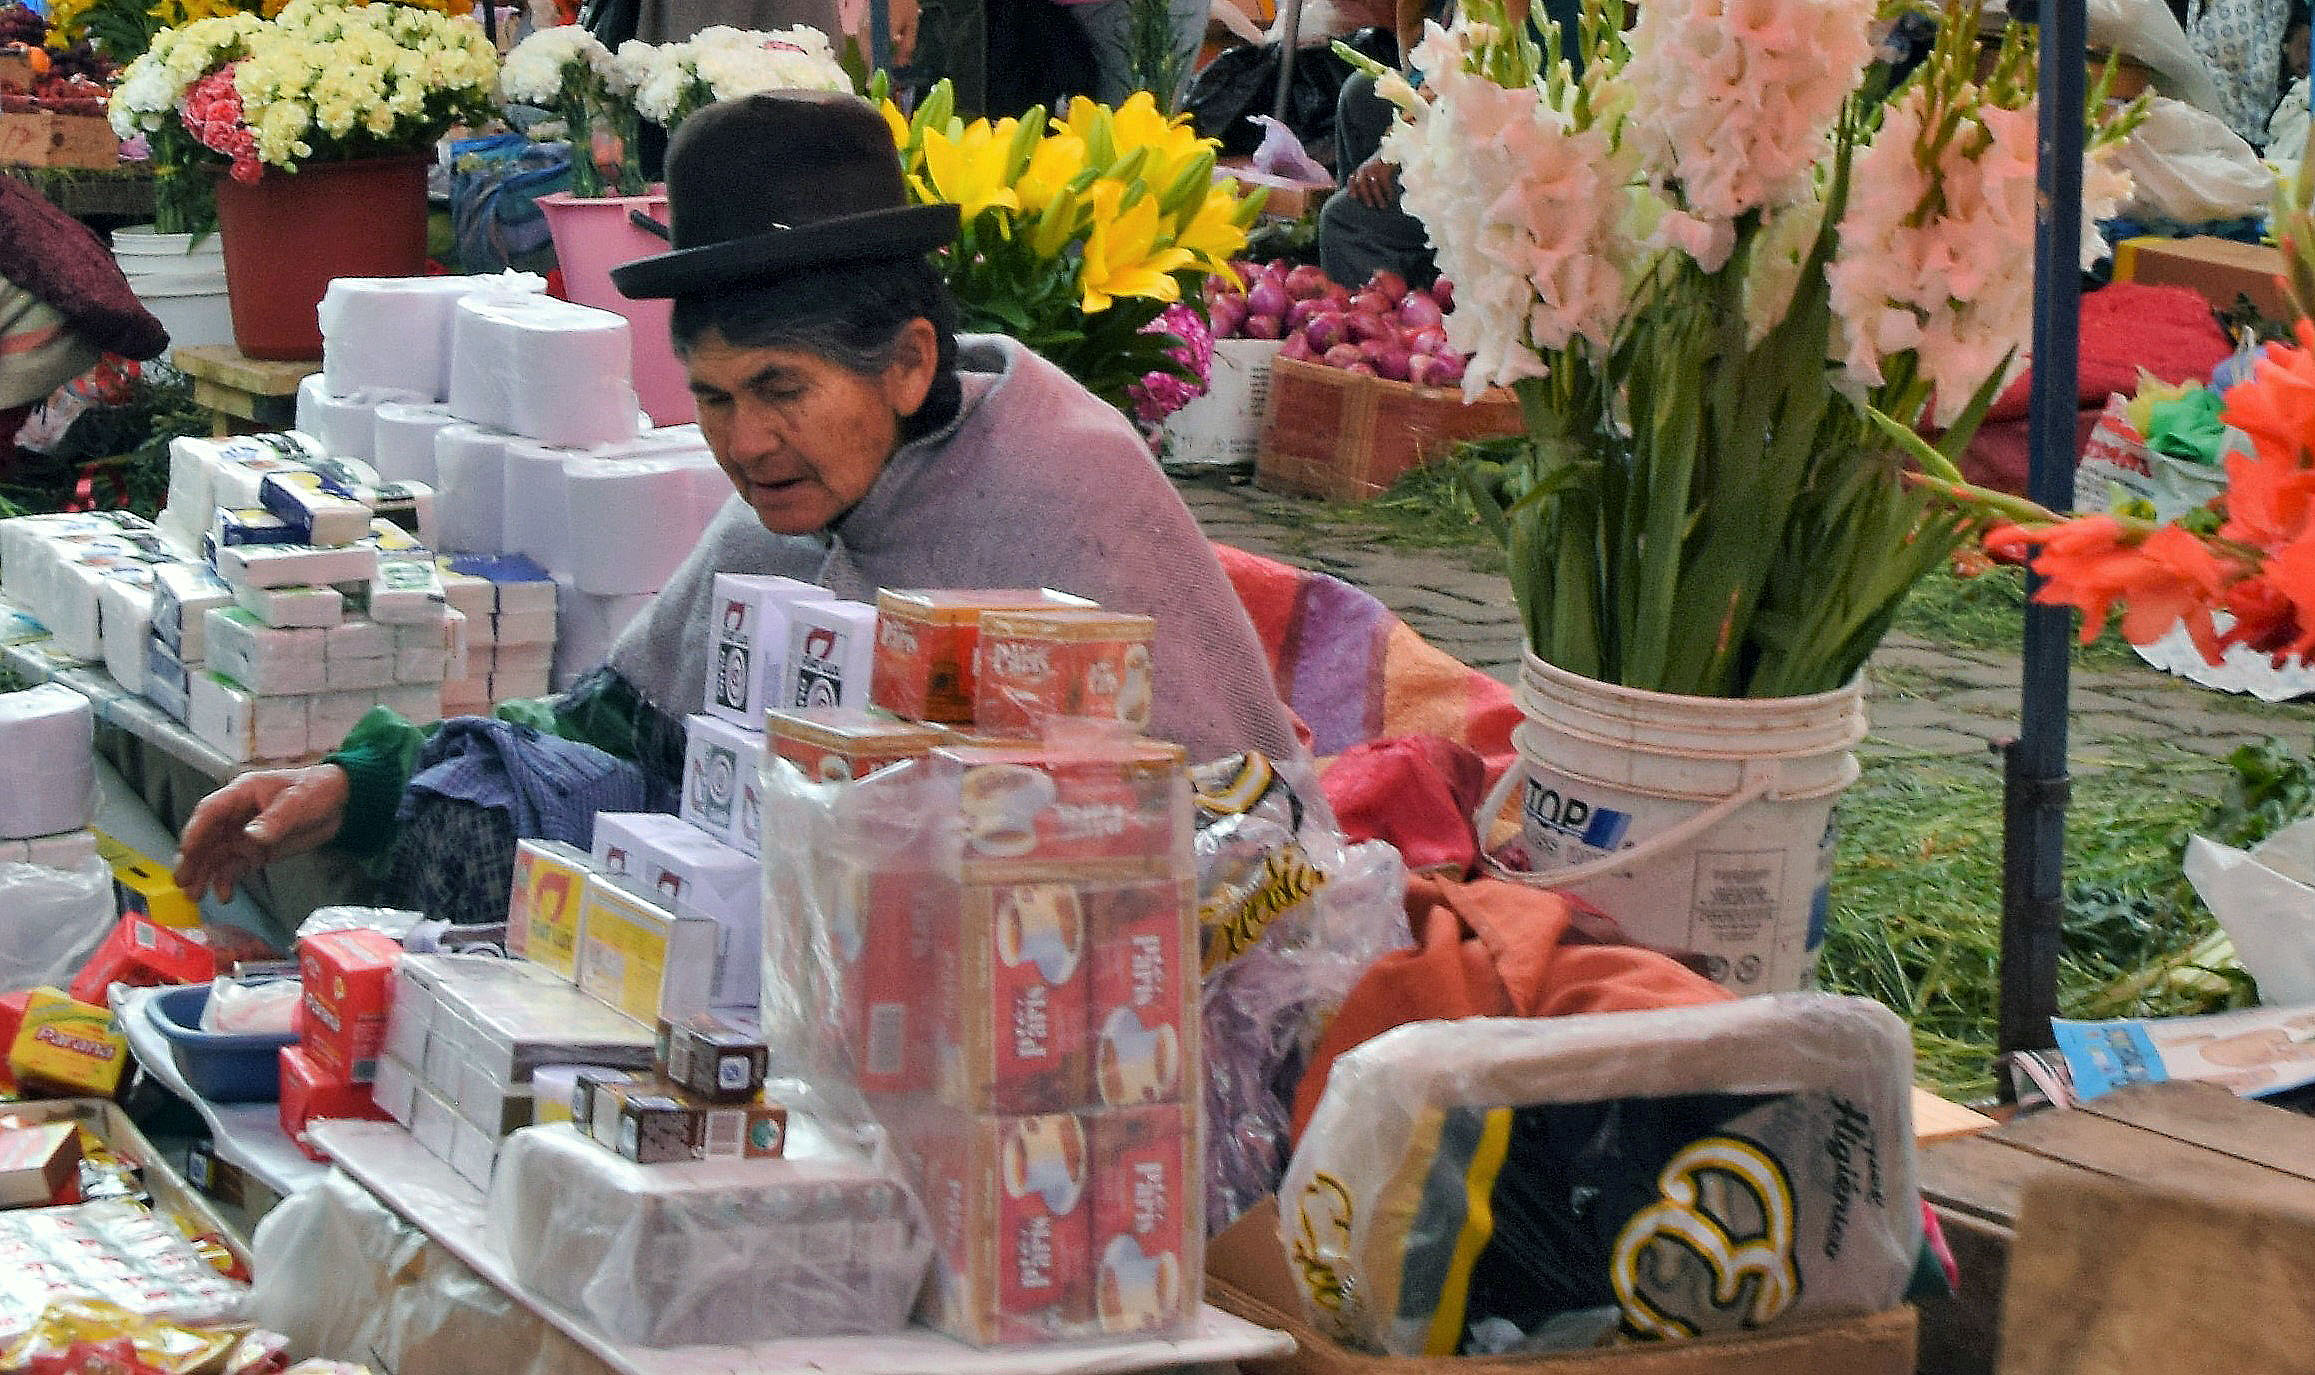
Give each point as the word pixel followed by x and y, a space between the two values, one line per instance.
pixel 1244 81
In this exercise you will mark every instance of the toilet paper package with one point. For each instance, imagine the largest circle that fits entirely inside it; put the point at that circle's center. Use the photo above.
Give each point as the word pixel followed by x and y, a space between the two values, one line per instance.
pixel 831 654
pixel 538 503
pixel 402 446
pixel 264 660
pixel 516 583
pixel 282 565
pixel 542 368
pixel 396 332
pixel 586 626
pixel 193 468
pixel 634 520
pixel 470 467
pixel 346 422
pixel 183 596
pixel 751 643
pixel 48 736
pixel 125 610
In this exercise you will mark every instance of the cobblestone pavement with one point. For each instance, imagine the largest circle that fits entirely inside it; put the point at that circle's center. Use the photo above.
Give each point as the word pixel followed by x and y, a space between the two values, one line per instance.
pixel 1927 699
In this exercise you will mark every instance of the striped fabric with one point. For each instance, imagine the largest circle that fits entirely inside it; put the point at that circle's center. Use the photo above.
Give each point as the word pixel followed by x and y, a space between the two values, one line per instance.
pixel 38 353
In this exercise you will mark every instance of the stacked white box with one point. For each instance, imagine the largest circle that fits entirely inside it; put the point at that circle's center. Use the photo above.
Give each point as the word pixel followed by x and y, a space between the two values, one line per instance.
pixel 508 653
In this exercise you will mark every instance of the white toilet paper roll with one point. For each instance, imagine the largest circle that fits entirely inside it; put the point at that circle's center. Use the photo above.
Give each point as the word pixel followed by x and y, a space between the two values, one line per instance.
pixel 48 735
pixel 470 489
pixel 633 521
pixel 392 332
pixel 538 502
pixel 402 443
pixel 587 625
pixel 345 423
pixel 545 369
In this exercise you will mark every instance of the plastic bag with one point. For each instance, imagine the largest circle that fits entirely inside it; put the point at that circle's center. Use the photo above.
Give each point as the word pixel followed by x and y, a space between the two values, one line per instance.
pixel 1243 82
pixel 51 921
pixel 261 1008
pixel 2149 32
pixel 2186 165
pixel 1500 1184
pixel 2264 899
pixel 393 921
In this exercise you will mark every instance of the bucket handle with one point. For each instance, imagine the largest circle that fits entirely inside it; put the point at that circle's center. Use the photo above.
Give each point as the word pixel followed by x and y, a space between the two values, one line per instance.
pixel 1758 785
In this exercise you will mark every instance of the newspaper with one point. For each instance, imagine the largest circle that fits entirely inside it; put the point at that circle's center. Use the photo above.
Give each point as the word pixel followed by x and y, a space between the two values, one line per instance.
pixel 2255 1051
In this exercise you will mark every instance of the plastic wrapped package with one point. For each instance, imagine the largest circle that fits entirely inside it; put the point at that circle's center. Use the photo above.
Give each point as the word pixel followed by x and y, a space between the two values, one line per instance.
pixel 265 1007
pixel 393 921
pixel 394 1299
pixel 91 1337
pixel 113 1250
pixel 1505 1184
pixel 824 1242
pixel 52 920
pixel 1290 915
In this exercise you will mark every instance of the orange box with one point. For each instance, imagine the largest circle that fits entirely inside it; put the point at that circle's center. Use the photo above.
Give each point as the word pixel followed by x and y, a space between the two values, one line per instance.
pixel 1140 1015
pixel 925 641
pixel 543 914
pixel 348 979
pixel 891 1001
pixel 1010 1206
pixel 143 954
pixel 1147 1210
pixel 2221 269
pixel 1012 981
pixel 838 744
pixel 310 1093
pixel 1030 811
pixel 1079 663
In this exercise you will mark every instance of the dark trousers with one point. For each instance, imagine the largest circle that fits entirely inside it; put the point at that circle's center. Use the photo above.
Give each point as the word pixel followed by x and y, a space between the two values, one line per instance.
pixel 1355 239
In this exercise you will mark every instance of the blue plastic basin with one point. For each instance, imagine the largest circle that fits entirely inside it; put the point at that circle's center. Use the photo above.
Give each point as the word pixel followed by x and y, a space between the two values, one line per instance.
pixel 223 1067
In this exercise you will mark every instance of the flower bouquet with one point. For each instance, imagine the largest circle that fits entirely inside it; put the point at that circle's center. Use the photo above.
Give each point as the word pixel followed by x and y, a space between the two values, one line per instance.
pixel 568 71
pixel 1733 271
pixel 1079 232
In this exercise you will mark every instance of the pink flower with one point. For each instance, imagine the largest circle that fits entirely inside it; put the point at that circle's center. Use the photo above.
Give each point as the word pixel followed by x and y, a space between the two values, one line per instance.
pixel 1159 394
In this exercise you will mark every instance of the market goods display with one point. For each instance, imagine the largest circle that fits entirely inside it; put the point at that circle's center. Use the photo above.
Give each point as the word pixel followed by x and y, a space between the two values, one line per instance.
pixel 1383 329
pixel 52 99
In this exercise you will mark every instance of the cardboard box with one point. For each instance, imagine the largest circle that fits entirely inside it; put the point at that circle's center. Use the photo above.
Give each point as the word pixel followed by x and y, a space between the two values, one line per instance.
pixel 1148 1190
pixel 348 994
pixel 839 744
pixel 1141 1016
pixel 751 642
pixel 719 779
pixel 1037 665
pixel 1012 988
pixel 143 954
pixel 831 654
pixel 927 642
pixel 67 1046
pixel 39 1165
pixel 712 1060
pixel 1011 1213
pixel 45 139
pixel 694 875
pixel 2221 269
pixel 311 1092
pixel 506 1018
pixel 1032 811
pixel 890 1003
pixel 644 958
pixel 544 919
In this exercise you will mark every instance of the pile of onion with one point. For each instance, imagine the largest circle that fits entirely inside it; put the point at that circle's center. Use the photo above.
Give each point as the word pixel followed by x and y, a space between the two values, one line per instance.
pixel 1384 329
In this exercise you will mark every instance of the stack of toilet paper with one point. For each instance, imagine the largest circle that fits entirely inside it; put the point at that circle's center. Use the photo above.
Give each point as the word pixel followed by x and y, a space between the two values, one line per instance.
pixel 47 735
pixel 386 342
pixel 508 603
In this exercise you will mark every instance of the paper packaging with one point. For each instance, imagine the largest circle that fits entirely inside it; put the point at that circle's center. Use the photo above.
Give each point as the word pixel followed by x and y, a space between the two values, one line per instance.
pixel 407 592
pixel 232 527
pixel 73 610
pixel 538 503
pixel 305 499
pixel 473 1153
pixel 634 520
pixel 402 448
pixel 67 1047
pixel 1141 990
pixel 505 1018
pixel 892 994
pixel 409 1015
pixel 516 583
pixel 39 1165
pixel 404 508
pixel 143 953
pixel 751 640
pixel 1040 664
pixel 470 477
pixel 653 1122
pixel 219 713
pixel 544 920
pixel 1147 1218
pixel 309 1093
pixel 396 331
pixel 544 368
pixel 925 645
pixel 293 608
pixel 719 765
pixel 125 614
pixel 644 958
pixel 1120 810
pixel 348 979
pixel 838 744
pixel 509 628
pixel 358 640
pixel 712 1060
pixel 193 468
pixel 831 654
pixel 344 677
pixel 435 1123
pixel 280 565
pixel 1010 1203
pixel 694 875
pixel 586 1082
pixel 396 1091
pixel 492 1104
pixel 1012 994
pixel 183 595
pixel 266 661
pixel 47 734
pixel 168 685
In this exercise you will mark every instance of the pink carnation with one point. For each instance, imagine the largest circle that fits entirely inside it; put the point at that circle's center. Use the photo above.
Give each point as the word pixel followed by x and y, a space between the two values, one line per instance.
pixel 212 113
pixel 1159 394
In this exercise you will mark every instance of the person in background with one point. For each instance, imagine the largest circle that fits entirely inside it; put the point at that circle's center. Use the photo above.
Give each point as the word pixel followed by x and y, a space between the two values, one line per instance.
pixel 1109 29
pixel 869 446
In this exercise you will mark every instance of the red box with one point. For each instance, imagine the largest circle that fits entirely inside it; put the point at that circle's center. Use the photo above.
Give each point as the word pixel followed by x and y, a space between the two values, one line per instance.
pixel 143 954
pixel 1146 1215
pixel 1033 811
pixel 839 744
pixel 925 641
pixel 1139 1018
pixel 892 999
pixel 348 979
pixel 11 1017
pixel 1036 665
pixel 1012 983
pixel 1010 1204
pixel 310 1093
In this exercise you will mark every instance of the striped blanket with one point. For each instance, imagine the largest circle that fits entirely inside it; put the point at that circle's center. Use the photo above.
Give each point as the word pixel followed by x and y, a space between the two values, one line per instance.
pixel 1354 672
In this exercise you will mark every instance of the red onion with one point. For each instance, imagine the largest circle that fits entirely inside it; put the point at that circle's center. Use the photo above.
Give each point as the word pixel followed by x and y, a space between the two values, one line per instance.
pixel 1298 348
pixel 1339 294
pixel 1326 331
pixel 1417 311
pixel 1368 325
pixel 1372 302
pixel 1431 339
pixel 1389 283
pixel 1228 314
pixel 1423 370
pixel 1264 327
pixel 1305 282
pixel 1390 361
pixel 1362 369
pixel 1266 297
pixel 1304 309
pixel 1447 371
pixel 1443 291
pixel 1345 356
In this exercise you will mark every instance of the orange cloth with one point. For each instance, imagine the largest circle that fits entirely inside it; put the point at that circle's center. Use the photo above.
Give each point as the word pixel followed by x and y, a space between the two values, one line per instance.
pixel 1488 948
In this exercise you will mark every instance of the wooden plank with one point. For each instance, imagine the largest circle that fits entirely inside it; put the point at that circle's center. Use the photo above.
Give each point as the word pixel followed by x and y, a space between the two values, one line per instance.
pixel 1982 1176
pixel 2131 1152
pixel 2209 1116
pixel 2109 1277
pixel 224 399
pixel 1935 1119
pixel 229 367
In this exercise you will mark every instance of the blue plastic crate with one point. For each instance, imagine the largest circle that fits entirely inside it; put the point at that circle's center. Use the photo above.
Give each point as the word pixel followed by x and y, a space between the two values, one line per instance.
pixel 223 1067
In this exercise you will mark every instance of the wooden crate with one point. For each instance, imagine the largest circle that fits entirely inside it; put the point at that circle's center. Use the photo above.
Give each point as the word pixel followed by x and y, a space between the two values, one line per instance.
pixel 1346 437
pixel 16 72
pixel 45 139
pixel 2197 1135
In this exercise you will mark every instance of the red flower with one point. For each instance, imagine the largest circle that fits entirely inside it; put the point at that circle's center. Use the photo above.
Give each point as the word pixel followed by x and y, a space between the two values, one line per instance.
pixel 2264 618
pixel 213 115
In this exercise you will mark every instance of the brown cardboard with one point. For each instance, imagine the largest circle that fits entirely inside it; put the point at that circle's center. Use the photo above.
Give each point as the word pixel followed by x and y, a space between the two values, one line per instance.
pixel 2220 269
pixel 43 138
pixel 1247 1274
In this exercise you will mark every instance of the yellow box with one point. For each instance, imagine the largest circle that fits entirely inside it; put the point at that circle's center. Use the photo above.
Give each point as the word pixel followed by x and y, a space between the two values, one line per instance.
pixel 641 957
pixel 67 1045
pixel 145 886
pixel 546 917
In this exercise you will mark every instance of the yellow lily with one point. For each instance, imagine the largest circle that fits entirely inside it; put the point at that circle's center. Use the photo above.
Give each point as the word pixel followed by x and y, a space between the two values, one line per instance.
pixel 1173 144
pixel 1212 235
pixel 1125 256
pixel 1055 163
pixel 969 168
pixel 898 123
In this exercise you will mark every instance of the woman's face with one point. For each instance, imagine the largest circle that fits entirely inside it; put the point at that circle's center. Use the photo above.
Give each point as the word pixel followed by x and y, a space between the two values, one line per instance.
pixel 800 437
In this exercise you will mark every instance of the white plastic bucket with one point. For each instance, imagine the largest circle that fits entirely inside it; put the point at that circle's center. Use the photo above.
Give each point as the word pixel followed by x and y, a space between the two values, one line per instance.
pixel 142 250
pixel 191 306
pixel 1698 823
pixel 1223 428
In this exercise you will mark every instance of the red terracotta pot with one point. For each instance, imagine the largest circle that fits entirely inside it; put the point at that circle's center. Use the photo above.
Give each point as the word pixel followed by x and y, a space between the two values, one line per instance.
pixel 287 235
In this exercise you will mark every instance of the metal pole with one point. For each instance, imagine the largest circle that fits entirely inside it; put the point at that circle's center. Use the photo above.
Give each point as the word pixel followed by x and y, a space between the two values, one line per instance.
pixel 2035 784
pixel 879 35
pixel 1289 36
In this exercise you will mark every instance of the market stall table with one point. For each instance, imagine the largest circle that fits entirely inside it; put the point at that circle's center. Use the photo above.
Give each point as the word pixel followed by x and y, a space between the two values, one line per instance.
pixel 247 1136
pixel 389 1162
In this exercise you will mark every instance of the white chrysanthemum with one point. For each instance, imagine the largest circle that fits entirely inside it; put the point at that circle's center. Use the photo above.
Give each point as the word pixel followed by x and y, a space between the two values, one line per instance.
pixel 1733 101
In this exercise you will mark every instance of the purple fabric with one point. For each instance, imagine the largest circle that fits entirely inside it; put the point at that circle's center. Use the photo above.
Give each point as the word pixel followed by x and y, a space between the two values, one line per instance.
pixel 1336 655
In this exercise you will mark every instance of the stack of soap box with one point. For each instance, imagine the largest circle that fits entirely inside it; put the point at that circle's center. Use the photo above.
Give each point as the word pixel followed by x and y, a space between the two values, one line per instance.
pixel 465 1039
pixel 509 605
pixel 637 951
pixel 345 999
pixel 695 875
pixel 703 1101
pixel 74 573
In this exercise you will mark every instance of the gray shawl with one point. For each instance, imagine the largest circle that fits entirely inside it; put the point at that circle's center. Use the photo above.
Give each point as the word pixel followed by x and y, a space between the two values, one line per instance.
pixel 1037 483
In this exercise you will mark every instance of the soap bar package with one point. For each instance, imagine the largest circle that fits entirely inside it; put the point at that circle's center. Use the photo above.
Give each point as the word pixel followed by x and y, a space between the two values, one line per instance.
pixel 544 915
pixel 1658 1174
pixel 751 642
pixel 642 957
pixel 831 654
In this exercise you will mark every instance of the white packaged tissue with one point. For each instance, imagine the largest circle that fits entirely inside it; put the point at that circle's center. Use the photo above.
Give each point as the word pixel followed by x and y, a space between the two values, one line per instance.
pixel 634 520
pixel 470 470
pixel 587 625
pixel 396 331
pixel 402 443
pixel 280 565
pixel 267 661
pixel 192 467
pixel 125 609
pixel 346 423
pixel 48 737
pixel 542 368
pixel 183 594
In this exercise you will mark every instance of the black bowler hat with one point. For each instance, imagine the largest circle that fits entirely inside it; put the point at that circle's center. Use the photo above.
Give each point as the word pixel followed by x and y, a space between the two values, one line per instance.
pixel 764 185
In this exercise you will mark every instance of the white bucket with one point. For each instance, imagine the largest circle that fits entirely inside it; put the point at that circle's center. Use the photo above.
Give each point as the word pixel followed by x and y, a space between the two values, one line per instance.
pixel 191 306
pixel 1223 428
pixel 1698 823
pixel 142 250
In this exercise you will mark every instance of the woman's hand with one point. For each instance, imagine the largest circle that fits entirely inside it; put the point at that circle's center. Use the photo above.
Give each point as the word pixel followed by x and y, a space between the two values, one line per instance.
pixel 1374 183
pixel 257 819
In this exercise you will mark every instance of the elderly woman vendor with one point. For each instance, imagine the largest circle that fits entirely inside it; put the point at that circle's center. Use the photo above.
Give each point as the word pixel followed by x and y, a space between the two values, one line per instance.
pixel 870 448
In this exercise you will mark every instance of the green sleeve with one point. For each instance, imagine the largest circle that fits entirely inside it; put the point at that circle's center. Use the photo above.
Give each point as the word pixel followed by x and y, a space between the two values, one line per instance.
pixel 378 757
